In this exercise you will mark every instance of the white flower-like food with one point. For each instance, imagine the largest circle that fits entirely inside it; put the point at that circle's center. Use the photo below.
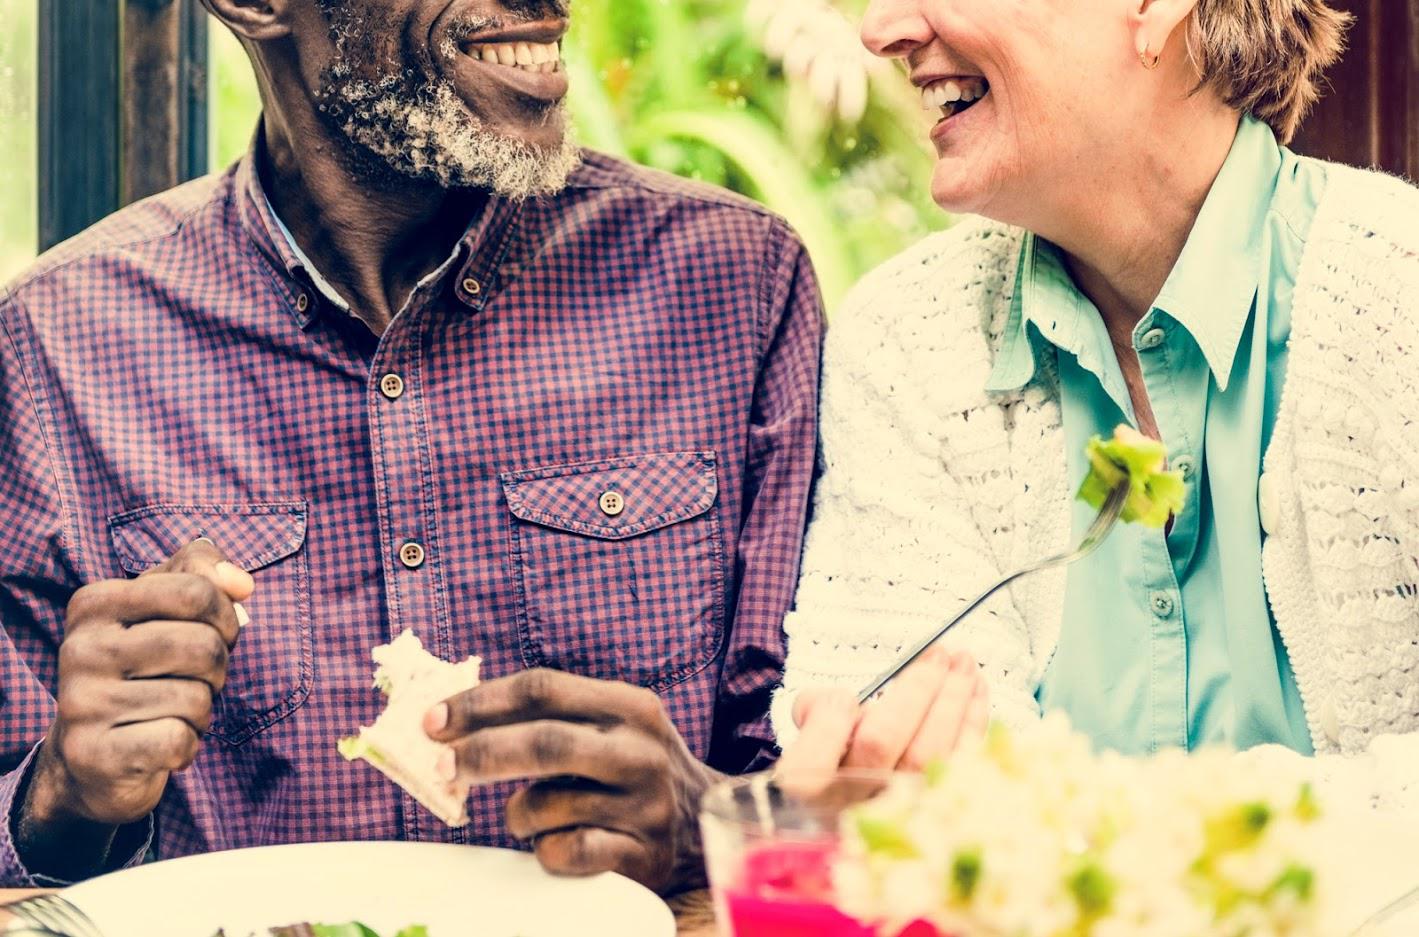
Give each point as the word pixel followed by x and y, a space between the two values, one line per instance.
pixel 1034 835
pixel 413 680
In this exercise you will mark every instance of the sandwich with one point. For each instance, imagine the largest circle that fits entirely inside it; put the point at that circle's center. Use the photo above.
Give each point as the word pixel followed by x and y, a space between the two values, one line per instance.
pixel 413 680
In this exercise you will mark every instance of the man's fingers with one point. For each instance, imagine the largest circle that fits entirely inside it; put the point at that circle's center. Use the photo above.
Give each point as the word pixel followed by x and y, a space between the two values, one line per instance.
pixel 560 804
pixel 137 701
pixel 889 723
pixel 204 558
pixel 826 719
pixel 180 597
pixel 547 748
pixel 541 694
pixel 185 649
pixel 588 850
pixel 147 748
pixel 942 726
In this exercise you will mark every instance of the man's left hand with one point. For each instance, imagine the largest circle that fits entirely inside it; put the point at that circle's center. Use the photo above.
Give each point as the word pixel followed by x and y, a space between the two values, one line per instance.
pixel 614 787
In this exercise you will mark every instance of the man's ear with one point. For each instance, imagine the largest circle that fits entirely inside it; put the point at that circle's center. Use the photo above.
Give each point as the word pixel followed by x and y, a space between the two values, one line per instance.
pixel 1153 22
pixel 257 20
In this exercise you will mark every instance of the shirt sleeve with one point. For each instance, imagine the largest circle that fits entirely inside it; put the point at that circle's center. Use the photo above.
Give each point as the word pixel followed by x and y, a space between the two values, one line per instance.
pixel 35 587
pixel 778 476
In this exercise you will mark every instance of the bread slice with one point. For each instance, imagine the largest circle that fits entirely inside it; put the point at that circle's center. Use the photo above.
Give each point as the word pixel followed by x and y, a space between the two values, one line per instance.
pixel 413 680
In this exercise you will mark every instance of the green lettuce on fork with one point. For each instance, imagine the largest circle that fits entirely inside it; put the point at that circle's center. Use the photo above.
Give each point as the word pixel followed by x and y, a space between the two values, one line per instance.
pixel 1154 493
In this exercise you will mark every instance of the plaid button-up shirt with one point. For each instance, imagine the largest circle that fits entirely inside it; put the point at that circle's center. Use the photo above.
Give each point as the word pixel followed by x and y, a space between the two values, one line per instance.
pixel 177 371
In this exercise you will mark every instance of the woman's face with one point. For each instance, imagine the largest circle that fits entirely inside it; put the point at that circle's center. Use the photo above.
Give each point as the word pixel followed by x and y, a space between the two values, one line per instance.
pixel 1061 82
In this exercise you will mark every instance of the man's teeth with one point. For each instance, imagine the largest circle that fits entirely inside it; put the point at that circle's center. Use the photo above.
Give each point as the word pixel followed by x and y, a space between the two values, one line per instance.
pixel 529 56
pixel 952 91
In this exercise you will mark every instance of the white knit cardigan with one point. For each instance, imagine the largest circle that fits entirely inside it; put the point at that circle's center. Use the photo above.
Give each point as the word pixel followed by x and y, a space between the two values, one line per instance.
pixel 933 488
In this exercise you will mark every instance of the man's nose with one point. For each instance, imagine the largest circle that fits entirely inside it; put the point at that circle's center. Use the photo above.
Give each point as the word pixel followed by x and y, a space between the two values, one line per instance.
pixel 895 28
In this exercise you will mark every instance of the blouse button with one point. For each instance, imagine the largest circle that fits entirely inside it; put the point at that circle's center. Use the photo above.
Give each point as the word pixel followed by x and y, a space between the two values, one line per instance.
pixel 1162 604
pixel 1151 339
pixel 1185 464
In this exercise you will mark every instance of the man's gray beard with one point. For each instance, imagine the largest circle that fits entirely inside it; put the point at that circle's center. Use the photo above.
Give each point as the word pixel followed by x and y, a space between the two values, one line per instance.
pixel 425 132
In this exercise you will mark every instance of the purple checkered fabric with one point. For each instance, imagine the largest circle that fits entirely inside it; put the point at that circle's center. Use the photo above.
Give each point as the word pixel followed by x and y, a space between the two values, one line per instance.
pixel 174 373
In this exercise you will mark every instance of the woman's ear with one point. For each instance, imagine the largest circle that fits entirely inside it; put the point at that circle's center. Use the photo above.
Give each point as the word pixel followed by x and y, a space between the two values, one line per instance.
pixel 257 20
pixel 1153 24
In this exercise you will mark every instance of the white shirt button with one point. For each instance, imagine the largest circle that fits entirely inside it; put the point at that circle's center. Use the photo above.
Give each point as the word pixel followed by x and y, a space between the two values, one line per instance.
pixel 1151 339
pixel 1161 603
pixel 411 554
pixel 1187 465
pixel 612 503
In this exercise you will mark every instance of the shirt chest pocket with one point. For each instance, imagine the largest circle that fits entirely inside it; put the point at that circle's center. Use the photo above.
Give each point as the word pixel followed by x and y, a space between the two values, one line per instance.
pixel 619 566
pixel 269 674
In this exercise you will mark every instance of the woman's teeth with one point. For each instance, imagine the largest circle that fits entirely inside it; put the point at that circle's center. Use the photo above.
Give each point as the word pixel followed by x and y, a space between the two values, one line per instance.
pixel 528 56
pixel 953 94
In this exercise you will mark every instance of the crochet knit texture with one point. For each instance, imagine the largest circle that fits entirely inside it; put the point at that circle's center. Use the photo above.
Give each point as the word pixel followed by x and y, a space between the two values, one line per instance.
pixel 932 488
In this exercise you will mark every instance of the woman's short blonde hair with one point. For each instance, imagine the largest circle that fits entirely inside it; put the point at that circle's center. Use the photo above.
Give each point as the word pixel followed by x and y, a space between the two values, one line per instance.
pixel 1267 57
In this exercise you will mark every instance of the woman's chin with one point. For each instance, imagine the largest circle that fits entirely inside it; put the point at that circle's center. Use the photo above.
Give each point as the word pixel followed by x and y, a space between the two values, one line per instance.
pixel 957 190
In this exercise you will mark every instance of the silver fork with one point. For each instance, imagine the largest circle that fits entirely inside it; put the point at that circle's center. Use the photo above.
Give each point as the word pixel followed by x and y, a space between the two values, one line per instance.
pixel 1098 530
pixel 54 913
pixel 1392 910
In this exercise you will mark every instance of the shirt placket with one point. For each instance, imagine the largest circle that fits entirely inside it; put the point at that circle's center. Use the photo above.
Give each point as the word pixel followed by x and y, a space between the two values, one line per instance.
pixel 1159 584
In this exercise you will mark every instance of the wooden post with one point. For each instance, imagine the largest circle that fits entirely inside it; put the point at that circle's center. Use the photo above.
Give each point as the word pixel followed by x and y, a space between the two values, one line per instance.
pixel 152 107
pixel 78 116
pixel 1370 114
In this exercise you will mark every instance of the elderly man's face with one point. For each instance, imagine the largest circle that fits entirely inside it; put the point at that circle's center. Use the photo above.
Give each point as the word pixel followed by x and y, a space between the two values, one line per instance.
pixel 463 93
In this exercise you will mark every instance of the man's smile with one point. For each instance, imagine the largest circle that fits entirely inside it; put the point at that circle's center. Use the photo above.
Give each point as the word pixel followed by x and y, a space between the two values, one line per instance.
pixel 525 59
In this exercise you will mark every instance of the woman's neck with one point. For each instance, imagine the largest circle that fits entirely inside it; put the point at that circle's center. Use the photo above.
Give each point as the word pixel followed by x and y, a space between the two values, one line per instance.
pixel 1123 231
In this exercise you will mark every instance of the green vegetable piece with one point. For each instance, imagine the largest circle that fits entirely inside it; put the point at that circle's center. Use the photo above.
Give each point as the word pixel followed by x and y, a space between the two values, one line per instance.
pixel 934 772
pixel 966 868
pixel 1307 806
pixel 1154 494
pixel 352 929
pixel 886 838
pixel 416 930
pixel 1092 888
pixel 353 747
pixel 1237 828
pixel 1300 880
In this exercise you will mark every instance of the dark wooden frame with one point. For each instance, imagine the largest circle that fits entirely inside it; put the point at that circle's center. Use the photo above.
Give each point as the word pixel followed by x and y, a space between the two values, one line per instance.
pixel 122 106
pixel 78 115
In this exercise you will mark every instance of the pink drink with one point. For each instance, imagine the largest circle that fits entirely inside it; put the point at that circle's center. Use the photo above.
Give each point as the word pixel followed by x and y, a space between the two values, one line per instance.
pixel 786 890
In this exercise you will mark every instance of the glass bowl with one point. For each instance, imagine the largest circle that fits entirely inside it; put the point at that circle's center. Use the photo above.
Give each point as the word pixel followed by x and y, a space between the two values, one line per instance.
pixel 770 849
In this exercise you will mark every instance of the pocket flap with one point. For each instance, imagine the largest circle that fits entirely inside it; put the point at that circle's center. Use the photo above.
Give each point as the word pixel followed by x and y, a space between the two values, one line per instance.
pixel 251 535
pixel 647 492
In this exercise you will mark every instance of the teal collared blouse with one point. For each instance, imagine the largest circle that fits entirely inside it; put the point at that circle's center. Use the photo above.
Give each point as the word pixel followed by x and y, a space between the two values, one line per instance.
pixel 1167 638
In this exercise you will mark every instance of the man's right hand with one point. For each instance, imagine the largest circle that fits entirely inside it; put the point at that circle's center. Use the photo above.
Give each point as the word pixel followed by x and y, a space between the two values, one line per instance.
pixel 139 666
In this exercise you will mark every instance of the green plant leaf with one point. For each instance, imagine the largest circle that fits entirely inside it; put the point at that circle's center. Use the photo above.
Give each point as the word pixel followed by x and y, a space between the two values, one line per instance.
pixel 776 174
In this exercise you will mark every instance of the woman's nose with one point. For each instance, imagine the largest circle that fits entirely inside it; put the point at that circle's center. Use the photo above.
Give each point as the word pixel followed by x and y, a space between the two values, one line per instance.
pixel 895 28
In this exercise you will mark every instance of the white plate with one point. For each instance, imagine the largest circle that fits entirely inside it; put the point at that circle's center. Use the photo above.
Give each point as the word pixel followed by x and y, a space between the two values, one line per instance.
pixel 457 891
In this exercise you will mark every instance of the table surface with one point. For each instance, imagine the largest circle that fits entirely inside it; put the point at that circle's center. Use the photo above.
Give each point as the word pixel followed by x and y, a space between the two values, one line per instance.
pixel 694 913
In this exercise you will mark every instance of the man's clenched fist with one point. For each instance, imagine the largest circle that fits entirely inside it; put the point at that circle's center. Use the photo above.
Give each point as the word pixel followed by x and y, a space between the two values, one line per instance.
pixel 140 663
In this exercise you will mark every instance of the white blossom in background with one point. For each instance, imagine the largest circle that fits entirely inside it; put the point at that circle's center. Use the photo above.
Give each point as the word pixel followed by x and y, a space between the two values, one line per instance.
pixel 817 45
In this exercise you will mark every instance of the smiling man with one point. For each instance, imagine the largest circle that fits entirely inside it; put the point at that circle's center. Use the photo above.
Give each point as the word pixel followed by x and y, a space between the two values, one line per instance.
pixel 415 363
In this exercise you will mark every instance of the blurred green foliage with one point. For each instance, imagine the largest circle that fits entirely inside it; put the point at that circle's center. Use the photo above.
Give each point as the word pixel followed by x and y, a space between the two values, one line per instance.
pixel 686 86
pixel 18 139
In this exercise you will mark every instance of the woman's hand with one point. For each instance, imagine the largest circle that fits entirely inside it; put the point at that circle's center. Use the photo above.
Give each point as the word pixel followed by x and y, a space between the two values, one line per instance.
pixel 935 705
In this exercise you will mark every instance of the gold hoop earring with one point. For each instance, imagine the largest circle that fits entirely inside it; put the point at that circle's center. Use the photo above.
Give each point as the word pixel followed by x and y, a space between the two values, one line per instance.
pixel 1144 58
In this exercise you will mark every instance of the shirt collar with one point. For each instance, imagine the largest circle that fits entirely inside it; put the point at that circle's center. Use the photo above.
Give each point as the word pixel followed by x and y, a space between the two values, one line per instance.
pixel 477 255
pixel 1213 286
pixel 1210 290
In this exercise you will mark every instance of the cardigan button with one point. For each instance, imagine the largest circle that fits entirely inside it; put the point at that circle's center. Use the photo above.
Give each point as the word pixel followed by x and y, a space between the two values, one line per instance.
pixel 1268 503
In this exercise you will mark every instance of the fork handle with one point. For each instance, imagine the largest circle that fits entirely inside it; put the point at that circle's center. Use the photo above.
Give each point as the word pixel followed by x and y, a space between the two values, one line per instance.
pixel 906 660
